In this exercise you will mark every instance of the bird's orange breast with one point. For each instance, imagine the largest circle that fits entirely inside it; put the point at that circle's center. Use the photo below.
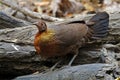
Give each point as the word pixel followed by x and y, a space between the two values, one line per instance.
pixel 37 42
pixel 45 43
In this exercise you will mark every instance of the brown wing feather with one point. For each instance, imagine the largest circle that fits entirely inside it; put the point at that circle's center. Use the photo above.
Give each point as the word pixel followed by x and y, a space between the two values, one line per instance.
pixel 69 34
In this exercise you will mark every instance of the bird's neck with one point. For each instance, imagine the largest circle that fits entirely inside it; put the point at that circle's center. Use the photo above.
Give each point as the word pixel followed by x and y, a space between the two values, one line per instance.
pixel 47 35
pixel 43 37
pixel 36 42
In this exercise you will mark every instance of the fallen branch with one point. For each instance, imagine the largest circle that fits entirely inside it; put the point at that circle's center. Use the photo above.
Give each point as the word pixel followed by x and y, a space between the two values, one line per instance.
pixel 25 35
pixel 28 12
pixel 16 48
pixel 7 21
pixel 80 72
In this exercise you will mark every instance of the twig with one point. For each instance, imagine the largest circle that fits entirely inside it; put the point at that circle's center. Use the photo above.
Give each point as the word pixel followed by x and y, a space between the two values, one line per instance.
pixel 28 12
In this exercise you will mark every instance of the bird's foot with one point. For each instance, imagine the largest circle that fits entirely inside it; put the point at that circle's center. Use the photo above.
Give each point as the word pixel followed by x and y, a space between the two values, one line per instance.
pixel 67 66
pixel 37 72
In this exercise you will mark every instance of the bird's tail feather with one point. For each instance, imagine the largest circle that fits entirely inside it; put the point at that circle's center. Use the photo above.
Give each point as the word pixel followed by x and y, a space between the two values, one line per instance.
pixel 99 23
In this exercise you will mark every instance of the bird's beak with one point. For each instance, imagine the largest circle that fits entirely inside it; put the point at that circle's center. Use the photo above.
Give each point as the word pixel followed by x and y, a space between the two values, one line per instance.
pixel 35 23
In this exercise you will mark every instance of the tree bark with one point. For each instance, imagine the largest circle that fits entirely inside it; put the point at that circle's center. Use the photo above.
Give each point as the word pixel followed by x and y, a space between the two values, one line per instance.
pixel 80 72
pixel 7 21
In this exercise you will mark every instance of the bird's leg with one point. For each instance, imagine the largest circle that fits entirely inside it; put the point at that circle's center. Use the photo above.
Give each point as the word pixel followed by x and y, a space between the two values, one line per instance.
pixel 53 67
pixel 73 58
pixel 71 61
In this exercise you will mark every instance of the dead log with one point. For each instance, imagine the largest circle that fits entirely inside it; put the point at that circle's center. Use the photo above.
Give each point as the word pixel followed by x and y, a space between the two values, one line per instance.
pixel 17 52
pixel 22 37
pixel 80 72
pixel 20 40
pixel 109 70
pixel 7 21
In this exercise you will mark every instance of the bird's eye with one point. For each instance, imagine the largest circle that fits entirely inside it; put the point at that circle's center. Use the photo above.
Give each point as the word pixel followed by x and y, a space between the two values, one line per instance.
pixel 43 27
pixel 41 24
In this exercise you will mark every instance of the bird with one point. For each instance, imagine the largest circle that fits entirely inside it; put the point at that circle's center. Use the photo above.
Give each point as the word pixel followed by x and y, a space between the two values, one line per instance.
pixel 66 38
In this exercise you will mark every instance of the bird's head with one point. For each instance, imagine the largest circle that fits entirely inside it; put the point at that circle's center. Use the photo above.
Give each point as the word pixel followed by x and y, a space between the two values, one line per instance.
pixel 41 25
pixel 42 29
